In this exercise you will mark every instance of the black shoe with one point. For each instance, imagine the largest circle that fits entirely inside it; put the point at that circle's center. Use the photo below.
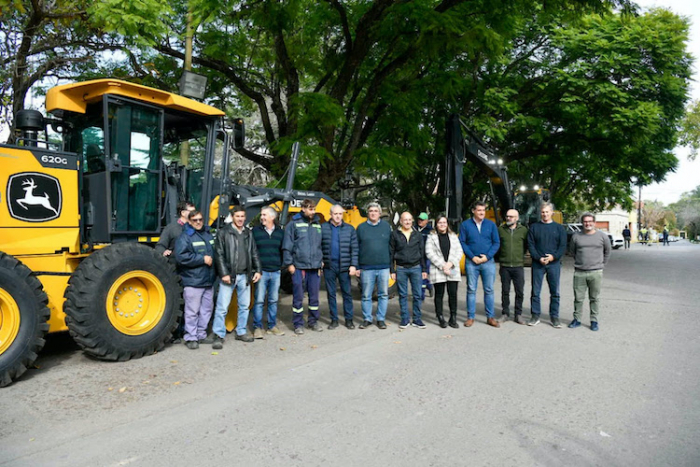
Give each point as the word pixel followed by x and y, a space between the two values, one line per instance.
pixel 176 340
pixel 574 324
pixel 192 345
pixel 210 339
pixel 349 324
pixel 518 319
pixel 381 324
pixel 453 321
pixel 333 325
pixel 365 324
pixel 217 343
pixel 245 337
pixel 316 327
pixel 443 323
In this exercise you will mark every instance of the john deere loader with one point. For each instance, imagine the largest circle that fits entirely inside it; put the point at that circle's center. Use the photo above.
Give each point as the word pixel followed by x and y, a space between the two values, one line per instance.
pixel 78 218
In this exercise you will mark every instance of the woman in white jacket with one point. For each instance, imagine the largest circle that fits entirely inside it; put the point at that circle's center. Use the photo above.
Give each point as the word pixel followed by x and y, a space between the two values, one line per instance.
pixel 445 253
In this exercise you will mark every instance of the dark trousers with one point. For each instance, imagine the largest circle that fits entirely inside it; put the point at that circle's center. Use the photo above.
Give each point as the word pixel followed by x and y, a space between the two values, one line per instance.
pixel 331 275
pixel 305 280
pixel 517 276
pixel 451 287
pixel 553 271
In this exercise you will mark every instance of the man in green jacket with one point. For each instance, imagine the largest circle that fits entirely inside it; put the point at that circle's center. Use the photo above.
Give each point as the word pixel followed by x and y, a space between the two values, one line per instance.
pixel 512 258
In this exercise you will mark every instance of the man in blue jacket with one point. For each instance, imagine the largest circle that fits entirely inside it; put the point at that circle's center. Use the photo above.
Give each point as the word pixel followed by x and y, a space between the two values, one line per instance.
pixel 547 243
pixel 480 242
pixel 339 244
pixel 301 254
pixel 194 254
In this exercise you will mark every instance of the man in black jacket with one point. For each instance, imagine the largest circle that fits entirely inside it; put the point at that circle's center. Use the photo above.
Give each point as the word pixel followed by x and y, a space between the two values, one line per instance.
pixel 172 231
pixel 407 253
pixel 237 263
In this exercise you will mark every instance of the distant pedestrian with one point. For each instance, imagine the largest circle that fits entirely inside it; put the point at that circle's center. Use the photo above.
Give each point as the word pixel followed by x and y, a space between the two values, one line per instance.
pixel 340 260
pixel 194 253
pixel 268 238
pixel 238 265
pixel 445 254
pixel 591 250
pixel 425 227
pixel 374 260
pixel 627 235
pixel 547 243
pixel 644 235
pixel 480 242
pixel 511 256
pixel 303 257
pixel 665 237
pixel 408 266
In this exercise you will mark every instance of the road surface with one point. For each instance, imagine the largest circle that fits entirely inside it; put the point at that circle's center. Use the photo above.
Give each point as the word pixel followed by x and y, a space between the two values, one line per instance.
pixel 514 396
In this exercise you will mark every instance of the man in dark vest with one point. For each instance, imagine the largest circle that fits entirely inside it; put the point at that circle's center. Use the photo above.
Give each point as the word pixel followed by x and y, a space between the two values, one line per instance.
pixel 340 252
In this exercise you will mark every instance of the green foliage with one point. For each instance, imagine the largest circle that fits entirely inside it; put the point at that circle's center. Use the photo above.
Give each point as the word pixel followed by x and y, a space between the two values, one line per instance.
pixel 690 129
pixel 687 211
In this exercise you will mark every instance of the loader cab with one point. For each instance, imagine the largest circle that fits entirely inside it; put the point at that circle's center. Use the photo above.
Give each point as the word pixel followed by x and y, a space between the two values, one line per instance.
pixel 141 151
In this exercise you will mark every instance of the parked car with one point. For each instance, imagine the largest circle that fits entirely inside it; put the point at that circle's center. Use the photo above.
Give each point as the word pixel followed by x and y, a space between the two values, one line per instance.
pixel 616 241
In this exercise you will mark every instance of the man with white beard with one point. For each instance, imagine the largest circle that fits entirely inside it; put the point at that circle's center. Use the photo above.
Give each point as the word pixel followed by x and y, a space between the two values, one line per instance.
pixel 512 258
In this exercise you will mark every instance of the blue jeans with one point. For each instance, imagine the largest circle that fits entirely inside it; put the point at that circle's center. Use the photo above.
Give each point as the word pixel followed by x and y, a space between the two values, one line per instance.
pixel 267 287
pixel 403 277
pixel 487 271
pixel 553 270
pixel 242 288
pixel 331 275
pixel 369 278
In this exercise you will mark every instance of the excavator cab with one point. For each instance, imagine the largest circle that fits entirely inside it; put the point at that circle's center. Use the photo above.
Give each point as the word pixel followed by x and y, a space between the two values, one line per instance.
pixel 139 157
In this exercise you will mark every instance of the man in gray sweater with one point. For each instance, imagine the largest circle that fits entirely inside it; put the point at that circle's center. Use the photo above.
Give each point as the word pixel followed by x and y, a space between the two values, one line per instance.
pixel 591 250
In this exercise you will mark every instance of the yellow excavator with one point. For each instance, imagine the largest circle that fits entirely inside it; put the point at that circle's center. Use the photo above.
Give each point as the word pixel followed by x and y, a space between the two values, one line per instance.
pixel 78 219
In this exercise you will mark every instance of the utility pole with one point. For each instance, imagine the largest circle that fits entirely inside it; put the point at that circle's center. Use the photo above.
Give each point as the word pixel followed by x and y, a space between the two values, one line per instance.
pixel 185 147
pixel 639 210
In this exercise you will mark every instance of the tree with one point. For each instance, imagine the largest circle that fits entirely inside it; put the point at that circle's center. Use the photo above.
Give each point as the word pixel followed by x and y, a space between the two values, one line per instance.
pixel 585 108
pixel 687 210
pixel 690 129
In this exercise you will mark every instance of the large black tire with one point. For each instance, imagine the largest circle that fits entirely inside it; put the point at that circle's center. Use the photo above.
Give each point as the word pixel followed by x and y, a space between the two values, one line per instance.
pixel 23 318
pixel 97 324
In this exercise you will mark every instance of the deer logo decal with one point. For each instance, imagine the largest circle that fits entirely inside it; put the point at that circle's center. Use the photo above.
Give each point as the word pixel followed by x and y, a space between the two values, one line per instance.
pixel 34 197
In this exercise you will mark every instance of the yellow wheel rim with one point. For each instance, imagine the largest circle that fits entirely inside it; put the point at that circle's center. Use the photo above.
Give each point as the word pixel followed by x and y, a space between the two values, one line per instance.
pixel 135 303
pixel 9 320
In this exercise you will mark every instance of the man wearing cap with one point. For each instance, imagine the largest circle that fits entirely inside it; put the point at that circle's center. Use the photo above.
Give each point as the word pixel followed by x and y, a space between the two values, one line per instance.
pixel 425 227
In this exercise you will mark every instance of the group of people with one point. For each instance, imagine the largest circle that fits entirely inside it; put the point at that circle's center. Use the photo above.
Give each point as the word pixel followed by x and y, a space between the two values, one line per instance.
pixel 426 258
pixel 546 241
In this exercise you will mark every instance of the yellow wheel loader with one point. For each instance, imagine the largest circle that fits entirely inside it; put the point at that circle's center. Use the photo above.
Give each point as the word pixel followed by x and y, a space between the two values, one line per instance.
pixel 78 219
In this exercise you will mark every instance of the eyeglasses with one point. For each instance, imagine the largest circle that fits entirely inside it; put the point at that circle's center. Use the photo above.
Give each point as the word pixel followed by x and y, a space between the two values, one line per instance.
pixel 511 216
pixel 199 219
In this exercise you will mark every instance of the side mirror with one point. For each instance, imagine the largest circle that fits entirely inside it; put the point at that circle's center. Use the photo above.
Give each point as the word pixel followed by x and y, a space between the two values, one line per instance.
pixel 238 133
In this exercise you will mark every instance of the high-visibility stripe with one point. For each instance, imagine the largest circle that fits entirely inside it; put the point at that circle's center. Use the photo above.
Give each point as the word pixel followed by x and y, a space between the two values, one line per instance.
pixel 302 224
pixel 198 243
pixel 314 308
pixel 298 310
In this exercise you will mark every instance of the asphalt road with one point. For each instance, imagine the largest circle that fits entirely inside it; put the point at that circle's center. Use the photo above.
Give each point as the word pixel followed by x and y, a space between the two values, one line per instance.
pixel 515 396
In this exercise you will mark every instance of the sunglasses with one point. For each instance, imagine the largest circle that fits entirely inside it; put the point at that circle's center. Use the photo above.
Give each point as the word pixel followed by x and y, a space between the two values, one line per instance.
pixel 199 219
